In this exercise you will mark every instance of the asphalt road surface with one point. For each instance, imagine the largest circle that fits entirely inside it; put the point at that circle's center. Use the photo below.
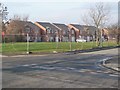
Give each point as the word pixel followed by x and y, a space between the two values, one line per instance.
pixel 66 70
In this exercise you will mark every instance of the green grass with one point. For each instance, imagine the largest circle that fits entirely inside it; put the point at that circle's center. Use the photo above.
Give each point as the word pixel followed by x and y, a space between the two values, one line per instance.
pixel 48 47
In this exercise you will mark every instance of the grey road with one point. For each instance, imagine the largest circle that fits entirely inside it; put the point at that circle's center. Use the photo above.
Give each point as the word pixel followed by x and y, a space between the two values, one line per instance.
pixel 67 70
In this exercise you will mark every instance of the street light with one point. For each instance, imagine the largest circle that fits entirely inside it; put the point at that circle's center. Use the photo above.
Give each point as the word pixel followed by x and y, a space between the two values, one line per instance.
pixel 3 12
pixel 3 15
pixel 3 18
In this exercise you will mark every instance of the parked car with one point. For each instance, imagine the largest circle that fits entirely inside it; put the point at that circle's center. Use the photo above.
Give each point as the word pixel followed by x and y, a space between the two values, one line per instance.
pixel 81 40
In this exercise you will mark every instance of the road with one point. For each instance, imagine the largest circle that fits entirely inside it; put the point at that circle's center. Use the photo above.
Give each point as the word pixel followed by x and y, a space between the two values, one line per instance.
pixel 66 70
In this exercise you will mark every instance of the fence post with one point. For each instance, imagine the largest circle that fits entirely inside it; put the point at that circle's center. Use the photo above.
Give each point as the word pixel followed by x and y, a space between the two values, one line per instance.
pixel 28 38
pixel 70 46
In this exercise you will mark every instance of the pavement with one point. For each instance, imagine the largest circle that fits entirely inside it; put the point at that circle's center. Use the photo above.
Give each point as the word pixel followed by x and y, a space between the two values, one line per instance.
pixel 93 49
pixel 112 63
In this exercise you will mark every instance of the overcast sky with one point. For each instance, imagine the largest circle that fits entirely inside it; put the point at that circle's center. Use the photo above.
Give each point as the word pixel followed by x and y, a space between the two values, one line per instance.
pixel 67 11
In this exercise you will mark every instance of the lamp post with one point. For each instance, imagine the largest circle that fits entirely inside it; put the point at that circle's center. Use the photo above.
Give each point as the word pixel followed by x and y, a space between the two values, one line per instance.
pixel 3 12
pixel 3 17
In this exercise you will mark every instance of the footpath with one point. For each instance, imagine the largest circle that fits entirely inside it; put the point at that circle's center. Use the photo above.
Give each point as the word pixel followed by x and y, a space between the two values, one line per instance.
pixel 112 64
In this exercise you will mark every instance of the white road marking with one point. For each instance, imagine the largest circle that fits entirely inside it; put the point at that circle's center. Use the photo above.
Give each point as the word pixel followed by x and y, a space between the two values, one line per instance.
pixel 113 75
pixel 53 61
pixel 69 68
pixel 99 71
pixel 26 65
pixel 53 78
pixel 80 71
pixel 33 64
pixel 93 72
pixel 86 70
pixel 36 67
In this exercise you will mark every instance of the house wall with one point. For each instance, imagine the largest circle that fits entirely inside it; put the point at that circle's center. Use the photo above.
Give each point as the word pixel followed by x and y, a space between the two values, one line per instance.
pixel 65 35
pixel 76 32
pixel 35 32
pixel 105 34
pixel 59 36
pixel 49 35
pixel 43 32
pixel 17 29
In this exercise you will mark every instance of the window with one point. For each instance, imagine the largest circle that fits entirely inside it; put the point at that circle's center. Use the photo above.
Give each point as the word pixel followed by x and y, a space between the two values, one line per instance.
pixel 48 29
pixel 65 39
pixel 73 32
pixel 51 39
pixel 65 32
pixel 27 29
pixel 37 31
pixel 51 31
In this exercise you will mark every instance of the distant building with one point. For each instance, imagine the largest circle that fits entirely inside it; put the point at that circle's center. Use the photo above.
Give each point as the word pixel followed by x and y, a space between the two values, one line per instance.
pixel 17 30
pixel 33 31
pixel 50 33
pixel 83 31
pixel 64 32
pixel 75 32
pixel 105 34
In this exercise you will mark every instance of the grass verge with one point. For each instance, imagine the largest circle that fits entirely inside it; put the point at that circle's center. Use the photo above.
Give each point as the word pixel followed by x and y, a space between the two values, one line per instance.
pixel 49 47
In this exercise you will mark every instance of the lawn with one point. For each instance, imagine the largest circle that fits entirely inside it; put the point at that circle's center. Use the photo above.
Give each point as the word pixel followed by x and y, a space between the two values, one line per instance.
pixel 48 47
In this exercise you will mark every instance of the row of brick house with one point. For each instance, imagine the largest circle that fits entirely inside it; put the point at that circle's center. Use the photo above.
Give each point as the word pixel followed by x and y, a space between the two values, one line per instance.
pixel 52 32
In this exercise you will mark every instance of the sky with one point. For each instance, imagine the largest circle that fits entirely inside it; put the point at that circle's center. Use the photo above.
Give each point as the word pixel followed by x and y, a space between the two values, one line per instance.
pixel 64 11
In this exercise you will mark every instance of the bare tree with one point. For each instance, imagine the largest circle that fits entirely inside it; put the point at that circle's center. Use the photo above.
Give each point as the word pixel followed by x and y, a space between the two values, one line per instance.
pixel 86 20
pixel 20 18
pixel 97 16
pixel 3 19
pixel 25 17
pixel 16 26
pixel 17 23
pixel 114 32
pixel 16 17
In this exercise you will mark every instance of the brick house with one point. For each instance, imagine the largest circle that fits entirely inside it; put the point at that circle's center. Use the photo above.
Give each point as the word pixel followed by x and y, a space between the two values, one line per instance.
pixel 105 34
pixel 74 32
pixel 49 32
pixel 84 31
pixel 17 30
pixel 64 32
pixel 33 31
